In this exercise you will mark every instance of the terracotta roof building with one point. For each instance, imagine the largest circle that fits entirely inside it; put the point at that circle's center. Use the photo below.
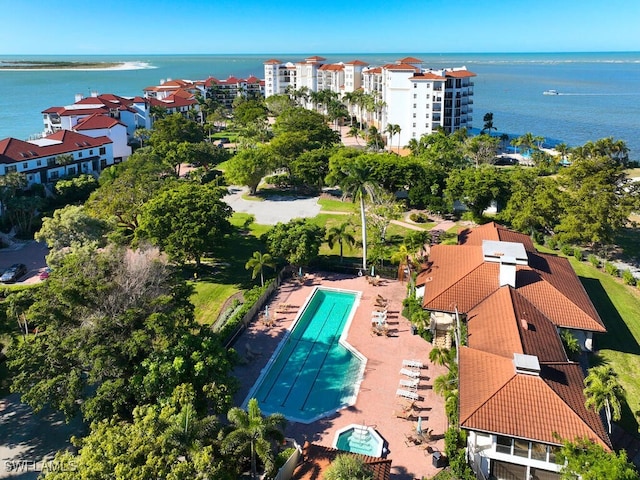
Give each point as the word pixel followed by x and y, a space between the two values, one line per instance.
pixel 519 394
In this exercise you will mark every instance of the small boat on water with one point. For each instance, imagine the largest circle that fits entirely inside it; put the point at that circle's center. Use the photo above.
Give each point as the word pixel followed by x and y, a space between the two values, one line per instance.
pixel 550 92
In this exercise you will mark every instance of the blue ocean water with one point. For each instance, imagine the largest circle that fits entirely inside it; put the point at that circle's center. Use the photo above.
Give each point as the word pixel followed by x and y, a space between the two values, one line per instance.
pixel 599 92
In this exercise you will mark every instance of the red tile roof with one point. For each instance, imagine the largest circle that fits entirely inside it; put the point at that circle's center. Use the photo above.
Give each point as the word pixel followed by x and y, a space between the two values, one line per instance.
pixel 356 62
pixel 410 60
pixel 401 66
pixel 496 399
pixel 315 58
pixel 95 122
pixel 273 61
pixel 317 458
pixel 494 231
pixel 13 150
pixel 426 76
pixel 332 66
pixel 460 73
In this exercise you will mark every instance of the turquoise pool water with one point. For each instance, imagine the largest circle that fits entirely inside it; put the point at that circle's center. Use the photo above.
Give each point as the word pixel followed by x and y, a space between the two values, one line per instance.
pixel 313 373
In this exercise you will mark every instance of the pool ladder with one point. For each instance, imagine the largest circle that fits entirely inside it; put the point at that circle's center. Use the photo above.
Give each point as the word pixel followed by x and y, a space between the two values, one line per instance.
pixel 360 436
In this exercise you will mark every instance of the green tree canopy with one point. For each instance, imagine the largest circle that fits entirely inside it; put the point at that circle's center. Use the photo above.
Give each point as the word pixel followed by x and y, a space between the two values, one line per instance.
pixel 297 241
pixel 162 441
pixel 176 128
pixel 249 166
pixel 186 220
pixel 126 187
pixel 475 187
pixel 70 226
pixel 592 462
pixel 112 329
pixel 300 119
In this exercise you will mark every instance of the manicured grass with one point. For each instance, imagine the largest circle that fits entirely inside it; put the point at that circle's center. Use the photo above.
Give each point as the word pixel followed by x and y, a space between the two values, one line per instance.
pixel 619 308
pixel 334 205
pixel 209 297
pixel 247 223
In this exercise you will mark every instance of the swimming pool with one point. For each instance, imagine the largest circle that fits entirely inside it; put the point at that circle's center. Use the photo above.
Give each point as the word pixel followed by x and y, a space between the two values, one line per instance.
pixel 314 371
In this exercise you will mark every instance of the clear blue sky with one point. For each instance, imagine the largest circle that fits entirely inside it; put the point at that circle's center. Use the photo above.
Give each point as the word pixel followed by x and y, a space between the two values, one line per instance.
pixel 325 26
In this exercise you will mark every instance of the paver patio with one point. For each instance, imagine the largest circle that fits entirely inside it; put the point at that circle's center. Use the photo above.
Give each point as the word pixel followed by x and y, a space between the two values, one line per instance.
pixel 376 401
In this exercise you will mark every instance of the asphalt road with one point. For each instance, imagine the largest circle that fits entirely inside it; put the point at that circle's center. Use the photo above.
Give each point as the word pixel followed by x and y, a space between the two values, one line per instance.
pixel 31 253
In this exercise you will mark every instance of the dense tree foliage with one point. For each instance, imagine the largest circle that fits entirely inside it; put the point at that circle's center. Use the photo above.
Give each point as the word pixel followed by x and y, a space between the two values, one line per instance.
pixel 313 124
pixel 176 128
pixel 297 241
pixel 168 441
pixel 590 461
pixel 125 188
pixel 113 329
pixel 186 220
pixel 248 167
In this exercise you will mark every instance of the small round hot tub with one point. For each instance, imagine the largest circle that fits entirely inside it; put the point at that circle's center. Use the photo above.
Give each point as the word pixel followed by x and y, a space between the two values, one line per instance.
pixel 359 439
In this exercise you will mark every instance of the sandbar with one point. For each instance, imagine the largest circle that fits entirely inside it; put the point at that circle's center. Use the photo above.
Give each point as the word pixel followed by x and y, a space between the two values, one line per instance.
pixel 33 65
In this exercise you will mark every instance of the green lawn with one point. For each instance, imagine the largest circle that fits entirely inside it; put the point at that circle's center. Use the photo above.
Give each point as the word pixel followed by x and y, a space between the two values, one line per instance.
pixel 208 298
pixel 619 308
pixel 335 205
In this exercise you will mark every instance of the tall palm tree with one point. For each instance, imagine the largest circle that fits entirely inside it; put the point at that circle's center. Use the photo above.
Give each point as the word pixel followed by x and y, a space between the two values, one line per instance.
pixel 256 433
pixel 488 123
pixel 393 129
pixel 258 262
pixel 357 184
pixel 342 235
pixel 355 133
pixel 603 391
pixel 401 256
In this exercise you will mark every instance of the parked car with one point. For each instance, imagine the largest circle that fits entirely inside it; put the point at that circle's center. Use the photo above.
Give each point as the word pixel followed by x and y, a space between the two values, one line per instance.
pixel 13 273
pixel 44 274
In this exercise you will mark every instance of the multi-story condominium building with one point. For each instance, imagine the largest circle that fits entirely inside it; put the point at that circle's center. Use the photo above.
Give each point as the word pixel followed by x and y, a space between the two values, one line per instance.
pixel 225 91
pixel 418 99
pixel 62 154
pixel 105 114
pixel 520 395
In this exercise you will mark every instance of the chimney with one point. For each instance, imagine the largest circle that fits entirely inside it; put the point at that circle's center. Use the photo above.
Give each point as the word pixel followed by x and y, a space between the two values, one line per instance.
pixel 526 364
pixel 78 97
pixel 94 93
pixel 507 271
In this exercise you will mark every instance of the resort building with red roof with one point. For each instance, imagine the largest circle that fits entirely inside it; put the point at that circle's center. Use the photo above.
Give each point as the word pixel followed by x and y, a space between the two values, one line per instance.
pixel 420 100
pixel 65 153
pixel 520 395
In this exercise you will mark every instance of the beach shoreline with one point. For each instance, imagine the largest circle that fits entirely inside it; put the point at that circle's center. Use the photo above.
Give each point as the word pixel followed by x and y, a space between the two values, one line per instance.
pixel 119 66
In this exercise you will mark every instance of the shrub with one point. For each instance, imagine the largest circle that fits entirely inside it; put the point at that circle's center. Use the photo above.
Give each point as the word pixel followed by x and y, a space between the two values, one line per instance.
pixel 552 243
pixel 571 344
pixel 593 260
pixel 611 269
pixel 283 456
pixel 419 217
pixel 566 250
pixel 628 278
pixel 537 237
pixel 278 181
pixel 578 254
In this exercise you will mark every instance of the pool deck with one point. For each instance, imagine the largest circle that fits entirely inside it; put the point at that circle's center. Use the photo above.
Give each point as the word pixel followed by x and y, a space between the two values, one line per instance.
pixel 377 400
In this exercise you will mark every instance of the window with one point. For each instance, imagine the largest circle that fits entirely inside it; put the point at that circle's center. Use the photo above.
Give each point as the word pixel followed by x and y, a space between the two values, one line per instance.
pixel 103 150
pixel 51 162
pixel 11 168
pixel 414 115
pixel 414 105
pixel 415 85
pixel 71 171
pixel 38 163
pixel 414 124
pixel 428 96
pixel 415 95
pixel 79 154
pixel 503 444
pixel 91 152
pixel 521 448
pixel 25 165
pixel 53 175
pixel 538 451
pixel 427 115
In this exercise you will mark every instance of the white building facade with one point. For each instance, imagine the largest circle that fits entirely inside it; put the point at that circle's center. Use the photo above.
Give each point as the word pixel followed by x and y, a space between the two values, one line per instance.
pixel 419 100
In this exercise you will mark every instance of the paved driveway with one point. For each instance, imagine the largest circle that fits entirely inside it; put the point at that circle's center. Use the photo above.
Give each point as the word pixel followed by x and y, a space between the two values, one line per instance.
pixel 274 210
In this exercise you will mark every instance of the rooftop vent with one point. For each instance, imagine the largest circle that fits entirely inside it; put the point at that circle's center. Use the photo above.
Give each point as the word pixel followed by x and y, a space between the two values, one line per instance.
pixel 526 364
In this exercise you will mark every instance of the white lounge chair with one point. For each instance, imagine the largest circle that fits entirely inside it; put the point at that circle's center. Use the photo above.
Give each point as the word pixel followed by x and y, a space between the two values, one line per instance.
pixel 410 373
pixel 410 383
pixel 412 364
pixel 407 394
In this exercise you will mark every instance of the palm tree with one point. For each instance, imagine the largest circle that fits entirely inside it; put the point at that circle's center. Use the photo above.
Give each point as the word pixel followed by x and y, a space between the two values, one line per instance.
pixel 563 150
pixel 258 262
pixel 441 356
pixel 254 432
pixel 355 133
pixel 341 235
pixel 488 123
pixel 393 129
pixel 401 256
pixel 357 184
pixel 603 390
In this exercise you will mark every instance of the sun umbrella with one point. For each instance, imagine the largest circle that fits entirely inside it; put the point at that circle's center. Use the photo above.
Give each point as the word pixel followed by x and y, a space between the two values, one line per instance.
pixel 300 272
pixel 266 311
pixel 373 271
pixel 419 426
